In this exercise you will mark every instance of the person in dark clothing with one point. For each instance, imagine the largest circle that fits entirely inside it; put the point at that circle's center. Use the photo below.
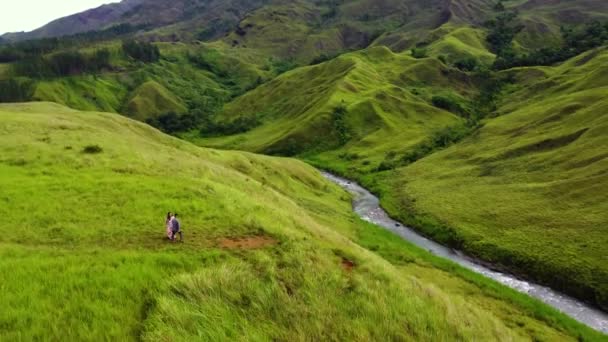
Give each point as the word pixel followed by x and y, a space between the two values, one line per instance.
pixel 176 229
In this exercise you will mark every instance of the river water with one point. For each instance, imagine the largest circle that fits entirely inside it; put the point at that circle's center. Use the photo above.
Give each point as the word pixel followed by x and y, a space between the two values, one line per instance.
pixel 367 206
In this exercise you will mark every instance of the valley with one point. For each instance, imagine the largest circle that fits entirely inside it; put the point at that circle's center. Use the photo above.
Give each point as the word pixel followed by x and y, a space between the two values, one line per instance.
pixel 482 125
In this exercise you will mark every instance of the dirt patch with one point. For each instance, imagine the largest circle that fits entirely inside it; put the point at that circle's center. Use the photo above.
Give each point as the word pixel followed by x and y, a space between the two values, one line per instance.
pixel 249 242
pixel 347 265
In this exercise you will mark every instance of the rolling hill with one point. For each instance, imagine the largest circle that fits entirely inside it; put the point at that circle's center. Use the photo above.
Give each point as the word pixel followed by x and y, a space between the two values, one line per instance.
pixel 480 123
pixel 272 249
pixel 528 190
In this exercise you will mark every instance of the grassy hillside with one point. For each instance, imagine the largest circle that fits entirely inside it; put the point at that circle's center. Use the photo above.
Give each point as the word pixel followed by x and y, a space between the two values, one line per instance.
pixel 151 100
pixel 383 94
pixel 272 250
pixel 187 79
pixel 529 190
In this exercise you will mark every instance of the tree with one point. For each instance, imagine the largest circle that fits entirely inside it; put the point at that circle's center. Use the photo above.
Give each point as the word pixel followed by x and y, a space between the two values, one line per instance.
pixel 141 51
pixel 419 53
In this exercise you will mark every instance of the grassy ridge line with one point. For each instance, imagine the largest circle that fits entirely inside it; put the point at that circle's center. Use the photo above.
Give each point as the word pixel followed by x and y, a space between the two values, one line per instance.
pixel 384 94
pixel 527 191
pixel 90 252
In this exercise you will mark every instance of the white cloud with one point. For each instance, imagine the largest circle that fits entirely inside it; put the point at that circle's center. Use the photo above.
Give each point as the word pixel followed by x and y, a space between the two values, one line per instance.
pixel 27 15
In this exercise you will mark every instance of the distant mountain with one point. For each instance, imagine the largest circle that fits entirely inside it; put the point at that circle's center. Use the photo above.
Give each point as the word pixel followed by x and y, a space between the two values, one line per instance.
pixel 90 20
pixel 152 13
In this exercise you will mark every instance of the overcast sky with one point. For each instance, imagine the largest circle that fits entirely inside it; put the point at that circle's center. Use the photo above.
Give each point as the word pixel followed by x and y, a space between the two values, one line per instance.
pixel 27 15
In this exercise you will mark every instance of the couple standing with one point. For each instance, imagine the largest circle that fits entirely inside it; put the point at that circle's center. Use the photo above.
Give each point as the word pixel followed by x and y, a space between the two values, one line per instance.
pixel 173 227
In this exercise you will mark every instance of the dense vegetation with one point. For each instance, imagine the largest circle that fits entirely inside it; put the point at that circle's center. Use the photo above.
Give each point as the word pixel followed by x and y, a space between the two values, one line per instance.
pixel 63 64
pixel 479 123
pixel 141 51
pixel 12 52
pixel 574 41
pixel 272 249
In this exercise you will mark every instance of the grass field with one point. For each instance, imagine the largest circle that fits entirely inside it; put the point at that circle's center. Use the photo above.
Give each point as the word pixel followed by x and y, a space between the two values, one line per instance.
pixel 528 190
pixel 272 251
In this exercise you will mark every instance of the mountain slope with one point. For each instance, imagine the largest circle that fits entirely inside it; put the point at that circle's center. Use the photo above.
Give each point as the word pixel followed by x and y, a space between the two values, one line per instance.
pixel 267 240
pixel 383 94
pixel 529 189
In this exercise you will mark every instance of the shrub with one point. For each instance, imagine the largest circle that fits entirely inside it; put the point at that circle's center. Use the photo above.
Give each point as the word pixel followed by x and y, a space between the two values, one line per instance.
pixel 14 90
pixel 419 53
pixel 92 149
pixel 321 58
pixel 450 104
pixel 574 42
pixel 173 123
pixel 503 30
pixel 467 64
pixel 340 127
pixel 283 65
pixel 141 51
pixel 63 64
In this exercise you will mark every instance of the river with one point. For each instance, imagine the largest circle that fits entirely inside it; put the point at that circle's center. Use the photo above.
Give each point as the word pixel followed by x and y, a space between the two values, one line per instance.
pixel 367 206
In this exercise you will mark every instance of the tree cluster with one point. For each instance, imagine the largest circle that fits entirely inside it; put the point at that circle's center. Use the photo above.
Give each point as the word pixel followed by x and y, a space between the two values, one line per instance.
pixel 14 90
pixel 12 52
pixel 141 51
pixel 63 64
pixel 574 42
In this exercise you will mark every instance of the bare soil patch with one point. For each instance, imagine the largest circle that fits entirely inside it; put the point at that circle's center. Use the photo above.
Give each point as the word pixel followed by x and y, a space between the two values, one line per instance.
pixel 249 242
pixel 347 265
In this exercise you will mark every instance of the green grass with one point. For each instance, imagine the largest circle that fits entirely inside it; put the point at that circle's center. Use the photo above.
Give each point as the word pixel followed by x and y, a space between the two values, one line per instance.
pixel 546 144
pixel 151 100
pixel 385 94
pixel 87 92
pixel 83 254
pixel 459 42
pixel 529 189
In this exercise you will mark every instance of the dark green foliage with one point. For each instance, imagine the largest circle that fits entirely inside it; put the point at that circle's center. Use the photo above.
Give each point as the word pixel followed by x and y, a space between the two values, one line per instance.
pixel 173 123
pixel 450 104
pixel 281 66
pixel 216 29
pixel 240 125
pixel 63 64
pixel 574 42
pixel 14 90
pixel 338 117
pixel 490 85
pixel 419 52
pixel 12 52
pixel 29 49
pixel 467 64
pixel 332 9
pixel 585 38
pixel 92 149
pixel 209 60
pixel 499 6
pixel 322 58
pixel 503 30
pixel 141 51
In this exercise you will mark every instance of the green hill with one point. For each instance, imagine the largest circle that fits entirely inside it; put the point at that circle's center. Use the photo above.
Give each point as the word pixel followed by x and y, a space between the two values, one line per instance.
pixel 472 120
pixel 272 250
pixel 151 100
pixel 384 94
pixel 528 190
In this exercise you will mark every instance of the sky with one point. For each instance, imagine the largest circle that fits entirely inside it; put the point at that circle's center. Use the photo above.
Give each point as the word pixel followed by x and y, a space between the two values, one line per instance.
pixel 27 15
